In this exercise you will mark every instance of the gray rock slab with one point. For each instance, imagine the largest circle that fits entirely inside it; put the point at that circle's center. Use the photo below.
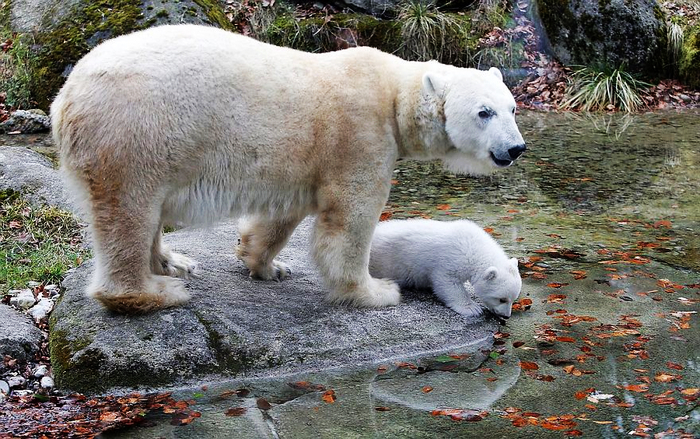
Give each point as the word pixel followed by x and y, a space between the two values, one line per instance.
pixel 33 175
pixel 19 338
pixel 238 327
pixel 26 122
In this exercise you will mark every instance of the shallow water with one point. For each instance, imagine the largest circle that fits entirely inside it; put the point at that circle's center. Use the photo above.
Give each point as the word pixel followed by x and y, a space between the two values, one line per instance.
pixel 603 212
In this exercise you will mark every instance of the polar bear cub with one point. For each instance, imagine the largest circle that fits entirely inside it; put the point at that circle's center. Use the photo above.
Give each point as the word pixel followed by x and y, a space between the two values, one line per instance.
pixel 442 256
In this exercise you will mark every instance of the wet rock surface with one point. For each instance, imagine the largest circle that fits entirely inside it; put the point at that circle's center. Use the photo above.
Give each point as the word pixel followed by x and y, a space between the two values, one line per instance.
pixel 236 326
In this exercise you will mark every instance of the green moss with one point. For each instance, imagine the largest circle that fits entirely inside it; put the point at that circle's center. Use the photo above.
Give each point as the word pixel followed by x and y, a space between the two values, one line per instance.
pixel 74 36
pixel 689 65
pixel 61 350
pixel 214 13
pixel 78 367
pixel 88 25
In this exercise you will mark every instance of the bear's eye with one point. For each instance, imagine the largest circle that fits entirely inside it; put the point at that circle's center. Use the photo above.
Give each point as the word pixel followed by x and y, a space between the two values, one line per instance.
pixel 513 111
pixel 503 300
pixel 484 114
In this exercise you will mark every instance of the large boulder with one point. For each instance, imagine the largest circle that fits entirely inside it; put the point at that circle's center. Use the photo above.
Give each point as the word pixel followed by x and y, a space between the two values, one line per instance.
pixel 32 175
pixel 606 33
pixel 59 33
pixel 236 326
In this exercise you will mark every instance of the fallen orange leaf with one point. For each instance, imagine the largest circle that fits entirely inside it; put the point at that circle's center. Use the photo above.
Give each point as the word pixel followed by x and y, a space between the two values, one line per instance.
pixel 636 387
pixel 663 377
pixel 527 365
pixel 565 339
pixel 329 396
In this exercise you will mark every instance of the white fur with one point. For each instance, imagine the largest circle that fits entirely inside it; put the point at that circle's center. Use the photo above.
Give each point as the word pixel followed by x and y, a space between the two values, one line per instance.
pixel 190 124
pixel 442 256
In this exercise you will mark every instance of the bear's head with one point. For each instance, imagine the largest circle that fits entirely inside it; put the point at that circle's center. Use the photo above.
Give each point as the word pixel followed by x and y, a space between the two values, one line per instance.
pixel 498 287
pixel 477 113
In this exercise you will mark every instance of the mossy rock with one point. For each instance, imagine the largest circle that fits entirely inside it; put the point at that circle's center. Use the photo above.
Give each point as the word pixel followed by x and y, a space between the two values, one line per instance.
pixel 68 30
pixel 689 65
pixel 630 33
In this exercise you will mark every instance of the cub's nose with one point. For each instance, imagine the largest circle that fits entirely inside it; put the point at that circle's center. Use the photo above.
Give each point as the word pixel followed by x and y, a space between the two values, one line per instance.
pixel 516 151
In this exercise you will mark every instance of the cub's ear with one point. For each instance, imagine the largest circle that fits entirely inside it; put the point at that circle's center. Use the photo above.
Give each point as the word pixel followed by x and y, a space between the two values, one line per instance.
pixel 497 73
pixel 514 261
pixel 491 273
pixel 434 84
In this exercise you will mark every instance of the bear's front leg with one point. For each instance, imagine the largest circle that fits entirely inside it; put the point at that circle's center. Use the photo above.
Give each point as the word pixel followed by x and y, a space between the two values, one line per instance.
pixel 454 295
pixel 341 244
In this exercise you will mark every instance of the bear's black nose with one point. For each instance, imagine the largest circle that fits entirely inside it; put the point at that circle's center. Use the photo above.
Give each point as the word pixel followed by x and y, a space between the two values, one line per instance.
pixel 516 151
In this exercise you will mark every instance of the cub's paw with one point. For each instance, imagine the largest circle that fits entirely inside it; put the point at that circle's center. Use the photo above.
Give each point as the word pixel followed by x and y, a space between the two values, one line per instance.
pixel 176 265
pixel 276 271
pixel 467 309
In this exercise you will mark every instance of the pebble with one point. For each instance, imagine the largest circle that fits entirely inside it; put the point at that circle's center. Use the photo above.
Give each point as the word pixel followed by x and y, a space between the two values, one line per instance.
pixel 41 309
pixel 23 300
pixel 40 371
pixel 47 383
pixel 4 387
pixel 53 290
pixel 16 382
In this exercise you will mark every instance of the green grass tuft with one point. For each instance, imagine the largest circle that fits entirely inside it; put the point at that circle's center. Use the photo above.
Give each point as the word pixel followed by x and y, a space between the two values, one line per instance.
pixel 36 243
pixel 16 67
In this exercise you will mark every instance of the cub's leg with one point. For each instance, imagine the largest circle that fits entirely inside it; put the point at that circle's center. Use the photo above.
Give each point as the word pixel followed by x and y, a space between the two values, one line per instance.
pixel 166 262
pixel 341 244
pixel 261 240
pixel 124 226
pixel 454 295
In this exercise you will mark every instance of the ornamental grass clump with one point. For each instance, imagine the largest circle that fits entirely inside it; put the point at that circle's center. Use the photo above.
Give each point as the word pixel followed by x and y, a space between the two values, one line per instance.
pixel 427 33
pixel 675 38
pixel 593 89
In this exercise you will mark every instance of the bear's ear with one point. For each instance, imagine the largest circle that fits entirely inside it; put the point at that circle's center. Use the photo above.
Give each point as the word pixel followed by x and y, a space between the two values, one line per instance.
pixel 491 273
pixel 514 261
pixel 496 73
pixel 434 84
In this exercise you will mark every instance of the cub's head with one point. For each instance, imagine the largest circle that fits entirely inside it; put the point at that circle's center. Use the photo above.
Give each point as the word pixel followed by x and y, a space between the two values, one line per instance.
pixel 498 287
pixel 478 112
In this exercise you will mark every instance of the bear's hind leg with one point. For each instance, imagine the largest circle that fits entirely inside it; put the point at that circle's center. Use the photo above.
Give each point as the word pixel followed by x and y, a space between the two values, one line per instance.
pixel 169 263
pixel 341 244
pixel 261 240
pixel 123 233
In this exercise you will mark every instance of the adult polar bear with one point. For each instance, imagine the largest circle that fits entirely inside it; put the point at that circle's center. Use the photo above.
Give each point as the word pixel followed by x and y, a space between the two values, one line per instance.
pixel 191 124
